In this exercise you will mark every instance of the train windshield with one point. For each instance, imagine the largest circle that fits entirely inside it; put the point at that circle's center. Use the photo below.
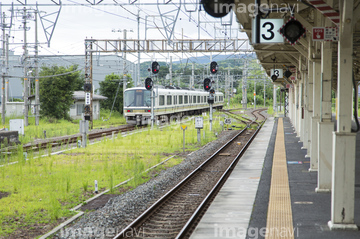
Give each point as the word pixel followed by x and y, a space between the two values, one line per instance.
pixel 137 98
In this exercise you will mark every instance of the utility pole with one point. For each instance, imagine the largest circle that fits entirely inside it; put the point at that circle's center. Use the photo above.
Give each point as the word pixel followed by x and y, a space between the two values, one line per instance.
pixel 37 92
pixel 192 75
pixel 3 100
pixel 244 93
pixel 264 92
pixel 138 36
pixel 26 81
pixel 228 86
pixel 7 69
pixel 124 65
pixel 170 71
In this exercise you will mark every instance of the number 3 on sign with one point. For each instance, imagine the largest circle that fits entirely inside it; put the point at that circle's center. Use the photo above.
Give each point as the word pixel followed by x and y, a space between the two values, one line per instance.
pixel 269 30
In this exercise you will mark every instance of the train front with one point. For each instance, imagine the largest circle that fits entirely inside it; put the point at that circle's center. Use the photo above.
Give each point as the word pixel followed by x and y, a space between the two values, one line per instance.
pixel 137 106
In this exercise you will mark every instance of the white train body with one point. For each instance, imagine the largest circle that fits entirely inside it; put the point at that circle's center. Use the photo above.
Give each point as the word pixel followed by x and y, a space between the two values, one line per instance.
pixel 167 103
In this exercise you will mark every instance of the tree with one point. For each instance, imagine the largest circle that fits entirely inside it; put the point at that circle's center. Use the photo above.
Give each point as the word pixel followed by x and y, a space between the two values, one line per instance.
pixel 109 88
pixel 56 90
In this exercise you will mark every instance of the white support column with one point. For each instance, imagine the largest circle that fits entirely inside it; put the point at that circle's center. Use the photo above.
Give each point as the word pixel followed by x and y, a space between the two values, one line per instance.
pixel 291 117
pixel 293 106
pixel 344 142
pixel 315 116
pixel 303 108
pixel 325 126
pixel 309 111
pixel 296 107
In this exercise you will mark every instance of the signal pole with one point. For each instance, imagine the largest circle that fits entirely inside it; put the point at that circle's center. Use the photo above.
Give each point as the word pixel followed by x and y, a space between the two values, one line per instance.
pixel 254 94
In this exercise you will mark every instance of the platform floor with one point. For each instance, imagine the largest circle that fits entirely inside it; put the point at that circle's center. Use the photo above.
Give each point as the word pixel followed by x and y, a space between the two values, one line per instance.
pixel 231 209
pixel 240 209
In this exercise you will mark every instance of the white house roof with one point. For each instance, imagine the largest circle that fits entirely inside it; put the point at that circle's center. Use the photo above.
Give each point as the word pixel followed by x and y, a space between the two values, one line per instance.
pixel 80 95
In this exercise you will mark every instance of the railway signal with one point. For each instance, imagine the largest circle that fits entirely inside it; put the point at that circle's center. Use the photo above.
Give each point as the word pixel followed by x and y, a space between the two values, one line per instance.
pixel 148 83
pixel 213 67
pixel 273 77
pixel 155 67
pixel 292 30
pixel 207 84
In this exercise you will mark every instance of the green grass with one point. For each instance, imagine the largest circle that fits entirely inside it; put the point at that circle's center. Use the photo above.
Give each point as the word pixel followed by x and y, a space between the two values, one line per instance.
pixel 55 128
pixel 42 190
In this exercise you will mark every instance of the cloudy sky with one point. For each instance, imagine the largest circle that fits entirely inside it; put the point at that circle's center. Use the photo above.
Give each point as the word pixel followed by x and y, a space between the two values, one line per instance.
pixel 104 21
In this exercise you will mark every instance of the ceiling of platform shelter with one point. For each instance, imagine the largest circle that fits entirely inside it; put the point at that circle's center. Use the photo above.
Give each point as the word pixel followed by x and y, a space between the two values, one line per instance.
pixel 284 55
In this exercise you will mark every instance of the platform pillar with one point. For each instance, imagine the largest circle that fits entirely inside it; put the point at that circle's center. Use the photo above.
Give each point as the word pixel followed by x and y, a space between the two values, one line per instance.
pixel 315 116
pixel 344 142
pixel 309 111
pixel 292 105
pixel 303 106
pixel 297 121
pixel 305 111
pixel 325 126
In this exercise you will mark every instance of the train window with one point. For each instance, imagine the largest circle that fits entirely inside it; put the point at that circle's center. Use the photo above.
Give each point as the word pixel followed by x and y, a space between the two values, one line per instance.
pixel 175 99
pixel 185 99
pixel 198 99
pixel 204 98
pixel 137 98
pixel 216 98
pixel 168 100
pixel 161 100
pixel 180 99
pixel 194 99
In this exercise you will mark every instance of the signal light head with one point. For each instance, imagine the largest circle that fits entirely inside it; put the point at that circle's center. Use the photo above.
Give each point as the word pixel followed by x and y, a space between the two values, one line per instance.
pixel 213 67
pixel 155 67
pixel 148 83
pixel 292 30
pixel 217 8
pixel 207 84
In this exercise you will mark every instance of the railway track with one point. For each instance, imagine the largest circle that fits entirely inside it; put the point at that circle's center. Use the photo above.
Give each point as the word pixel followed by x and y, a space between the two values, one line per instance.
pixel 72 139
pixel 256 113
pixel 176 214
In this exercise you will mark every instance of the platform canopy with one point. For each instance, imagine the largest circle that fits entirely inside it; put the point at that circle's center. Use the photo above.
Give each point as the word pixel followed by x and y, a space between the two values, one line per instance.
pixel 286 55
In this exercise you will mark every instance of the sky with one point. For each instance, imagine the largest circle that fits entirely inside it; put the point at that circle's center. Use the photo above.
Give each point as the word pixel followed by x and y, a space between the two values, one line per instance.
pixel 76 23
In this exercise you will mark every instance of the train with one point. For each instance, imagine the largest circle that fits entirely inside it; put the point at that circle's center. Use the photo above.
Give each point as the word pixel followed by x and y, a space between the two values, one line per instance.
pixel 168 103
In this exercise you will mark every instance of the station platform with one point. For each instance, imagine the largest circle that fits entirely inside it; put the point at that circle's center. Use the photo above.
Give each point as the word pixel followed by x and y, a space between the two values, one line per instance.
pixel 244 207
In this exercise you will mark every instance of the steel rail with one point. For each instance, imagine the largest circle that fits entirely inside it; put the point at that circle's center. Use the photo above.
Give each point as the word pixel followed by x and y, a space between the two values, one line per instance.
pixel 140 219
pixel 215 189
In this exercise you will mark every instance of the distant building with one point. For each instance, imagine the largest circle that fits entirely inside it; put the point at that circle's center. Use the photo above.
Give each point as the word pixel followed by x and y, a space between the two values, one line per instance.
pixel 77 109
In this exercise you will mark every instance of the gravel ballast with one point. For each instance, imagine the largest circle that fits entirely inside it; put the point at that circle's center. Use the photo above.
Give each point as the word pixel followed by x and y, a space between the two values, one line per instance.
pixel 119 211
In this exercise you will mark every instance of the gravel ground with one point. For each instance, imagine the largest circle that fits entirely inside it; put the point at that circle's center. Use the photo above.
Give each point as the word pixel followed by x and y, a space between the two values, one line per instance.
pixel 119 211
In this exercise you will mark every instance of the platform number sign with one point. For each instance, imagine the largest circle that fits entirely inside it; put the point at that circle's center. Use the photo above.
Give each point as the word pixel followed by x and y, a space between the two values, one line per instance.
pixel 277 72
pixel 269 31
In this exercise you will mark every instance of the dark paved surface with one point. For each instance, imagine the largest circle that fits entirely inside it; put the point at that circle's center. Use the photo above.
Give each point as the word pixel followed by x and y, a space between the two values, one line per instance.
pixel 311 210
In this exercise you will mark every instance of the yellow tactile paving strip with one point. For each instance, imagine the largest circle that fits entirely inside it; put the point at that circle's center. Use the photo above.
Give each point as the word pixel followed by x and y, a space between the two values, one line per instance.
pixel 279 216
